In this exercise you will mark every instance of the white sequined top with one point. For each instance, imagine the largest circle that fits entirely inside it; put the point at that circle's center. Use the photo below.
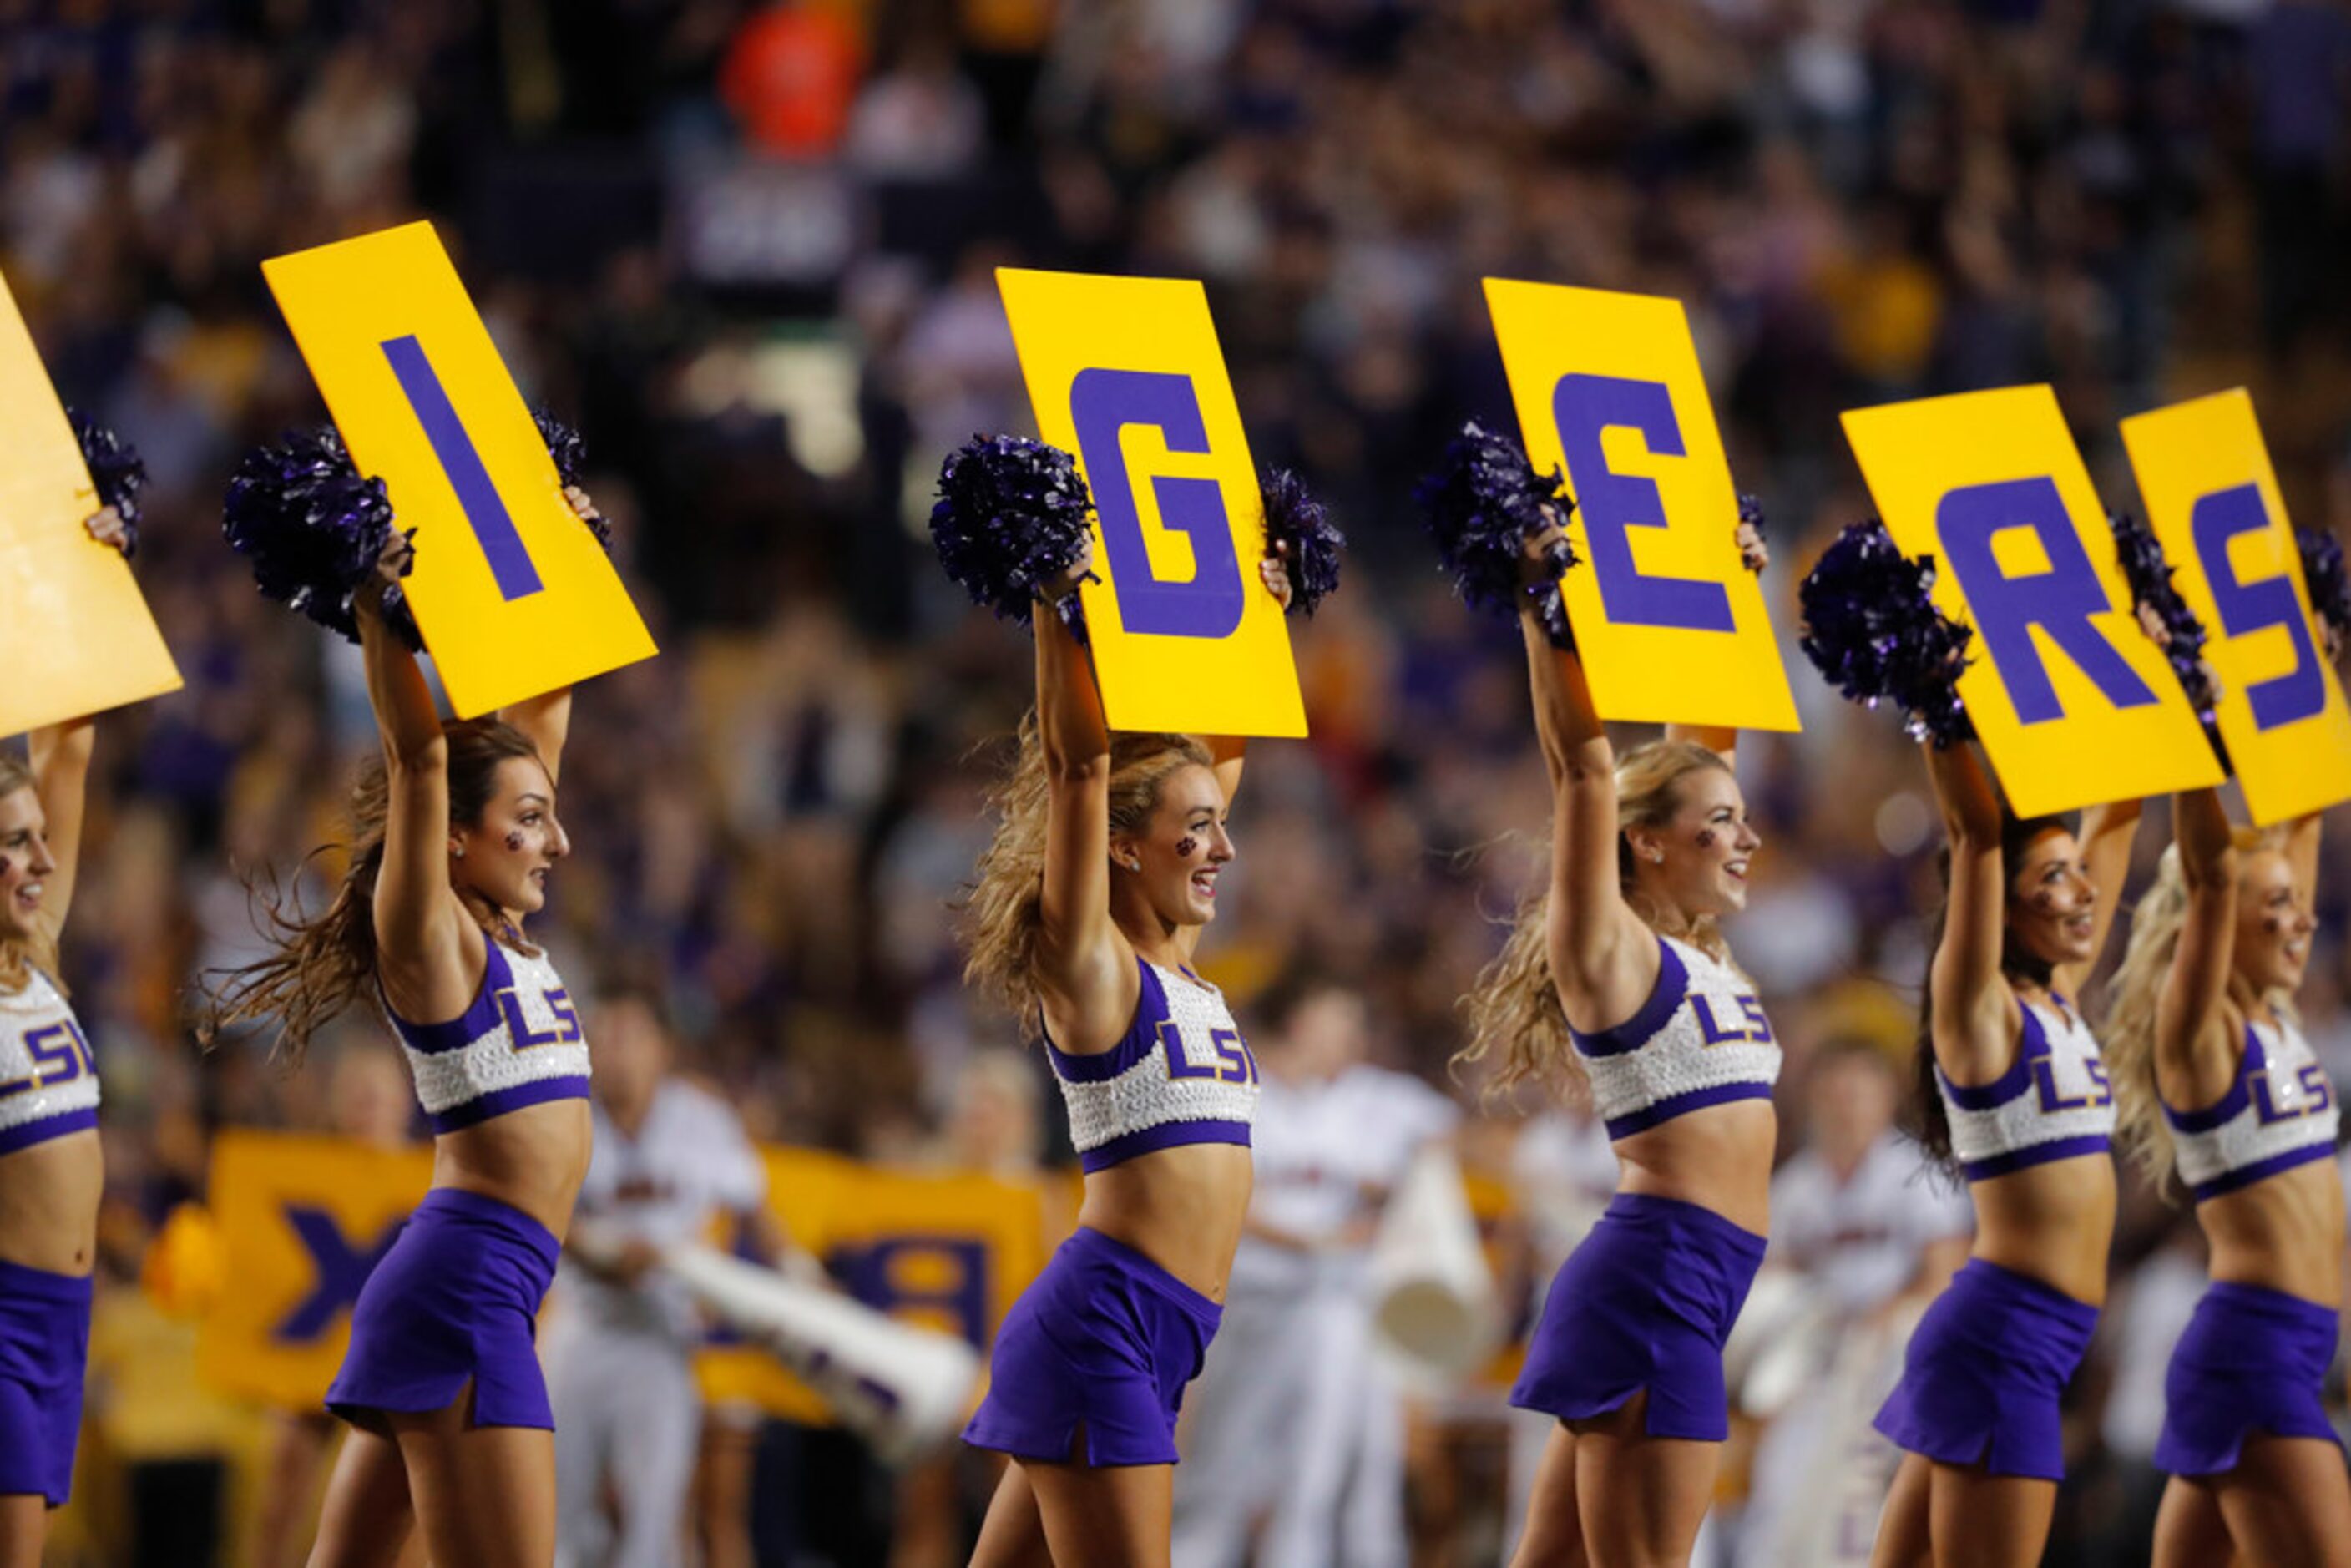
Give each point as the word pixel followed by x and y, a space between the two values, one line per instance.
pixel 2052 1103
pixel 1180 1074
pixel 1700 1039
pixel 48 1080
pixel 518 1044
pixel 2279 1114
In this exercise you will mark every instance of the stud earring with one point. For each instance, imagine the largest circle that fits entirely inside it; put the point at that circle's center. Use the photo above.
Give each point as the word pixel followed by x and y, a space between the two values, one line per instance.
pixel 457 850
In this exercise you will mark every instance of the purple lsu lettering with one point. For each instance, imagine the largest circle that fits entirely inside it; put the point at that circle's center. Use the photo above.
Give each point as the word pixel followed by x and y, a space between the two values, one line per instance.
pixel 559 1002
pixel 60 1054
pixel 1103 403
pixel 2101 1091
pixel 2315 1094
pixel 1748 1028
pixel 1233 1062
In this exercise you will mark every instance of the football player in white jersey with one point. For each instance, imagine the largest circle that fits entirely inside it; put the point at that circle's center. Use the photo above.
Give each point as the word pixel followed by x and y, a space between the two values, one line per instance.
pixel 1865 1225
pixel 1297 1435
pixel 669 1158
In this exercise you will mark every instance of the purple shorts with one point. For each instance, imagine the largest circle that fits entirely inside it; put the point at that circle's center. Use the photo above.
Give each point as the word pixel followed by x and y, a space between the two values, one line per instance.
pixel 44 1354
pixel 455 1301
pixel 1985 1371
pixel 1645 1303
pixel 2252 1359
pixel 1103 1340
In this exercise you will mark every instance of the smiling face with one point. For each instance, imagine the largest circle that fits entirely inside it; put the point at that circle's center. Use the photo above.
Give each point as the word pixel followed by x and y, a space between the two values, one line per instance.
pixel 1696 860
pixel 504 857
pixel 2273 924
pixel 2052 900
pixel 25 863
pixel 1174 861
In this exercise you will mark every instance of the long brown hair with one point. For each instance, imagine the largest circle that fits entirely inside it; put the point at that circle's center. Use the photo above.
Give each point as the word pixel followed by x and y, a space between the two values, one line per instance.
pixel 1930 1124
pixel 18 959
pixel 1004 904
pixel 323 965
pixel 1514 1009
pixel 2128 1043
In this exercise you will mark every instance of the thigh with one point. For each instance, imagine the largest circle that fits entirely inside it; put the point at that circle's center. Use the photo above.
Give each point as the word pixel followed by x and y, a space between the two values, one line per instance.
pixel 1902 1534
pixel 366 1518
pixel 1105 1516
pixel 1013 1534
pixel 485 1496
pixel 1981 1520
pixel 1554 1532
pixel 1642 1498
pixel 2288 1503
pixel 2189 1532
pixel 24 1525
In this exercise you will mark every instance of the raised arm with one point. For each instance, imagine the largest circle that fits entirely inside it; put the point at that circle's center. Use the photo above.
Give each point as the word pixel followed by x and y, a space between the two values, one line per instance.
pixel 2188 1017
pixel 1083 966
pixel 1718 738
pixel 547 720
pixel 2106 834
pixel 1603 959
pixel 59 756
pixel 1976 1020
pixel 421 950
pixel 2302 855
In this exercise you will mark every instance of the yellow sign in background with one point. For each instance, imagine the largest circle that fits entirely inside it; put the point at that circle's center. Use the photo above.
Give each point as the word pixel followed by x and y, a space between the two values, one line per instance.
pixel 1126 374
pixel 74 637
pixel 2075 704
pixel 514 595
pixel 2212 500
pixel 1672 626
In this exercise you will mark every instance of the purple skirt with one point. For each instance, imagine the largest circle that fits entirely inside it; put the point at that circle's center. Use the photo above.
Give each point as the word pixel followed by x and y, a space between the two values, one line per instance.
pixel 1985 1371
pixel 455 1301
pixel 1103 1340
pixel 44 1356
pixel 1645 1303
pixel 2252 1359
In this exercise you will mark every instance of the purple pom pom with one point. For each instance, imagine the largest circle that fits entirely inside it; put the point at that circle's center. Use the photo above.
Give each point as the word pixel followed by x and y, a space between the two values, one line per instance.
pixel 1483 502
pixel 1873 630
pixel 1751 515
pixel 115 469
pixel 1011 515
pixel 2150 576
pixel 1295 518
pixel 2323 575
pixel 314 530
pixel 570 455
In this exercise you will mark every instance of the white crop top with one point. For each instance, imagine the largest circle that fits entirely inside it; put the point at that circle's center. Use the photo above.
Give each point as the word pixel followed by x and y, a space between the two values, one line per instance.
pixel 1700 1039
pixel 1180 1074
pixel 518 1044
pixel 2279 1114
pixel 49 1080
pixel 2054 1102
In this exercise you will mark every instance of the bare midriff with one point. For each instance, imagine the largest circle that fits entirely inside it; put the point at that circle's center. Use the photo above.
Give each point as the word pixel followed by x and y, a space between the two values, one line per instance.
pixel 2283 1233
pixel 1718 1158
pixel 532 1159
pixel 48 1203
pixel 1181 1207
pixel 2054 1223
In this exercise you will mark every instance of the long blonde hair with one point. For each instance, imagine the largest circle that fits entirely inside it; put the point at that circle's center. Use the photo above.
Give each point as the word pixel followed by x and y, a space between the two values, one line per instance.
pixel 2128 1040
pixel 1514 1009
pixel 1004 905
pixel 18 959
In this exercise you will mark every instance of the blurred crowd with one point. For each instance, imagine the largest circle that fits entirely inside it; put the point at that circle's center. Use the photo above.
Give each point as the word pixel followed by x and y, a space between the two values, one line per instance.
pixel 748 248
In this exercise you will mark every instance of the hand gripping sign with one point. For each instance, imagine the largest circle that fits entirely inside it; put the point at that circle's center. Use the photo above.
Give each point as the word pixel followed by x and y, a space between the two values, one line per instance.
pixel 514 596
pixel 1671 625
pixel 2212 500
pixel 1125 374
pixel 74 637
pixel 2073 703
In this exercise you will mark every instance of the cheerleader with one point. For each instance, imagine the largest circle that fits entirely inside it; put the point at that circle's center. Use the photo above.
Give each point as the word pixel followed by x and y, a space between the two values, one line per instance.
pixel 51 1169
pixel 2214 1080
pixel 1088 906
pixel 2011 1091
pixel 455 834
pixel 1618 983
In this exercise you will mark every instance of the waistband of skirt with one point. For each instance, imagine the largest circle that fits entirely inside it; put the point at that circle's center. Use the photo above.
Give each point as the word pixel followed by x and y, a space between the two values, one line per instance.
pixel 1979 1276
pixel 1088 1243
pixel 456 1203
pixel 20 1282
pixel 2259 1301
pixel 1685 1217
